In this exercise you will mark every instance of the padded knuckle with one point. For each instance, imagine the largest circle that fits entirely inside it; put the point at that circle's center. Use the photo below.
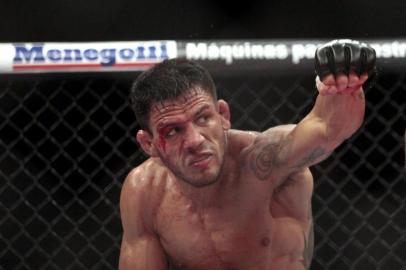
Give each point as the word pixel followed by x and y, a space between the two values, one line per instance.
pixel 344 56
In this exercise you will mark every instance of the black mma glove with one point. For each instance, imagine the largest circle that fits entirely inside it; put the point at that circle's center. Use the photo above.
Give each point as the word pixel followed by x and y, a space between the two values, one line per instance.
pixel 345 56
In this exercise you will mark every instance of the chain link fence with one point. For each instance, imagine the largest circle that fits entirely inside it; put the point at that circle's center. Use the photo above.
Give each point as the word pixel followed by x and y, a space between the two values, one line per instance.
pixel 68 141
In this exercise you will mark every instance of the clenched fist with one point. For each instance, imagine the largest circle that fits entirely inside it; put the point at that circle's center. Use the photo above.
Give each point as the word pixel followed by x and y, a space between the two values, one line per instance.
pixel 343 66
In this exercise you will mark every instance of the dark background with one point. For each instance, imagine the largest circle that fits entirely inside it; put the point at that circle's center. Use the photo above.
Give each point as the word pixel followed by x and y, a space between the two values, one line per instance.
pixel 103 20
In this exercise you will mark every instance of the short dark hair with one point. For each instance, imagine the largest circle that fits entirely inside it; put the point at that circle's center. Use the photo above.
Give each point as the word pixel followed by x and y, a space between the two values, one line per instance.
pixel 167 80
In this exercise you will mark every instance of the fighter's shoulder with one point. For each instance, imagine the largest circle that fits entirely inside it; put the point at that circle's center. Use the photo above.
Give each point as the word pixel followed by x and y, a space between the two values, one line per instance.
pixel 148 173
pixel 145 184
pixel 279 130
pixel 271 135
pixel 240 139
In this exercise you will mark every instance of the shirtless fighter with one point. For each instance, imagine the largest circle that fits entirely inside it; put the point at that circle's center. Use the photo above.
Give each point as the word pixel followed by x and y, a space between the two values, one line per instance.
pixel 213 198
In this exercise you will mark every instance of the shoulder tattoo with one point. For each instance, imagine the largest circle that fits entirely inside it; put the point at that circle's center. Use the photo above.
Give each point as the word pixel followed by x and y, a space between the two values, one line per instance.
pixel 267 156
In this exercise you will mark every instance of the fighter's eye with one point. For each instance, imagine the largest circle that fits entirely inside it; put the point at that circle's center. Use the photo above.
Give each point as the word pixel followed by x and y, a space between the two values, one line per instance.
pixel 168 132
pixel 172 132
pixel 202 119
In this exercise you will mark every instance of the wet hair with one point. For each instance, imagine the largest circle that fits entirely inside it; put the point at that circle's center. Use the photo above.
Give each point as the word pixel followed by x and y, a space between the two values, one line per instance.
pixel 166 81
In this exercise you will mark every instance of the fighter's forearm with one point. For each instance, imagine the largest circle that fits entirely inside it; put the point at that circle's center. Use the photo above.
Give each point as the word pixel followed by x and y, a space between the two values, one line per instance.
pixel 341 114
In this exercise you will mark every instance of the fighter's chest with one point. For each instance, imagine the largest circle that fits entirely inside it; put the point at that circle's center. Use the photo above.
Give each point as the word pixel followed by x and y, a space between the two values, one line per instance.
pixel 217 239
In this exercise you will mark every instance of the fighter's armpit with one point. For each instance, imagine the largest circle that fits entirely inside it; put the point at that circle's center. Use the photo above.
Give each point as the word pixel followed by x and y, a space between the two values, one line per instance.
pixel 318 153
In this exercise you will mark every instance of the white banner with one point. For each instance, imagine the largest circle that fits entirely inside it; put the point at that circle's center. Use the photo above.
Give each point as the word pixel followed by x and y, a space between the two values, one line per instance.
pixel 291 51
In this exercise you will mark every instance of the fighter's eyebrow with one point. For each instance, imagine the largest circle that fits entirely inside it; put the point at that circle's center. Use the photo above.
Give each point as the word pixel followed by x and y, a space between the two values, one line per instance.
pixel 202 109
pixel 165 124
pixel 169 122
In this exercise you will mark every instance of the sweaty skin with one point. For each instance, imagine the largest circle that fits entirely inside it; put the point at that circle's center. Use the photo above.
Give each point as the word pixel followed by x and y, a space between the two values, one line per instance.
pixel 210 197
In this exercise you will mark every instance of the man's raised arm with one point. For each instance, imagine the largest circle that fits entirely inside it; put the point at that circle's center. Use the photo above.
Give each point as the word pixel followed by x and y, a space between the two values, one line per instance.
pixel 343 67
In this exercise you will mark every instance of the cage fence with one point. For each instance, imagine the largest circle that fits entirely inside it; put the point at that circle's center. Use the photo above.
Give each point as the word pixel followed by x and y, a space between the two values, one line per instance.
pixel 68 141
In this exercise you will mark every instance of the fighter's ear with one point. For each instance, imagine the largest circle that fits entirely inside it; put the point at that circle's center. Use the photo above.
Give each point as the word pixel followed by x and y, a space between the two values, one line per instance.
pixel 224 111
pixel 144 138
